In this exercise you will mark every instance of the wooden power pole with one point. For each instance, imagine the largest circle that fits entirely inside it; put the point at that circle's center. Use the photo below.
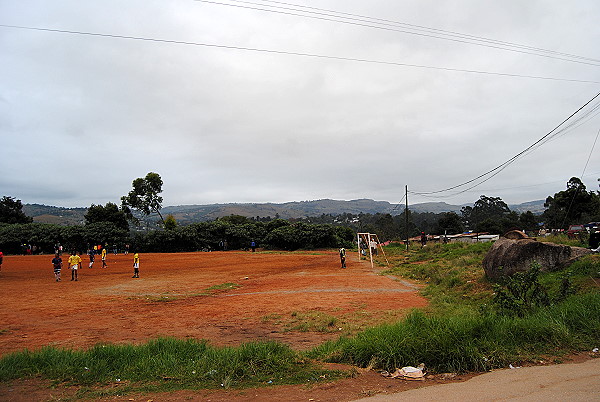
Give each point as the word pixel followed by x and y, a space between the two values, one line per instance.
pixel 406 215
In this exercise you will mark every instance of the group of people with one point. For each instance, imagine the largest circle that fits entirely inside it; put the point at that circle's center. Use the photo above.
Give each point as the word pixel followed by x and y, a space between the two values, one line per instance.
pixel 74 263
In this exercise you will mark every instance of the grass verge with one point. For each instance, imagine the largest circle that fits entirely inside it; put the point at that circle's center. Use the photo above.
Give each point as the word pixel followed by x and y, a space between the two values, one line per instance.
pixel 165 364
pixel 472 342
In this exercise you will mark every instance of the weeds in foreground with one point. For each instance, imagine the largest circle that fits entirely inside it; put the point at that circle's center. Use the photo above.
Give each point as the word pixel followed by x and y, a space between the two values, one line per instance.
pixel 166 363
pixel 472 342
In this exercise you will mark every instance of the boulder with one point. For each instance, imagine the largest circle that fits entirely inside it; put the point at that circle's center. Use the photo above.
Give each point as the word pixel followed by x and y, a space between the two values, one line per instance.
pixel 508 256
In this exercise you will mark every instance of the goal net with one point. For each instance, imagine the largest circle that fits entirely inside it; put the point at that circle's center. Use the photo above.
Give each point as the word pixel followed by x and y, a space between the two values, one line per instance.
pixel 369 246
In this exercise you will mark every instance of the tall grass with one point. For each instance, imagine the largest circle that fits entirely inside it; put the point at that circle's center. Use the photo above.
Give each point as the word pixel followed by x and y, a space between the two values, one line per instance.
pixel 181 363
pixel 472 342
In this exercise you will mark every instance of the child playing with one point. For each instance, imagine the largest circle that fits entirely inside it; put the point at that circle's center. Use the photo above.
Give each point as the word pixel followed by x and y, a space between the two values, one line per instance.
pixel 104 258
pixel 92 256
pixel 57 264
pixel 74 262
pixel 343 257
pixel 136 266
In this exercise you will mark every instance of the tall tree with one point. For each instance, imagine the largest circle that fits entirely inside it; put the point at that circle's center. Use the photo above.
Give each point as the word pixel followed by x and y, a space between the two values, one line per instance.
pixel 572 206
pixel 108 213
pixel 145 196
pixel 485 209
pixel 11 211
pixel 449 223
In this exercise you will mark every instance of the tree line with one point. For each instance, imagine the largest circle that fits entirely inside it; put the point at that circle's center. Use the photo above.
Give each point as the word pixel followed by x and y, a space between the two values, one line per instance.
pixel 109 224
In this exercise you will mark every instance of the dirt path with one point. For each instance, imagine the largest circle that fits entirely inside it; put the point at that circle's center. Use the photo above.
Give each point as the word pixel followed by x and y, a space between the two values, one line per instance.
pixel 561 382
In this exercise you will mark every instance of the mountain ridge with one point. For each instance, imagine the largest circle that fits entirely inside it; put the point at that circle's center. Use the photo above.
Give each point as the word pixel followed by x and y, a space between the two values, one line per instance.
pixel 186 214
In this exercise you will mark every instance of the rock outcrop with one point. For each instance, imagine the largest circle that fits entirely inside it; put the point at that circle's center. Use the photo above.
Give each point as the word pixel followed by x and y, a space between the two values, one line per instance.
pixel 508 256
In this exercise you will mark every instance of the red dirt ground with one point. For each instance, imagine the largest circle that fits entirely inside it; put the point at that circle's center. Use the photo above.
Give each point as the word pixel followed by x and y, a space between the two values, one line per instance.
pixel 170 298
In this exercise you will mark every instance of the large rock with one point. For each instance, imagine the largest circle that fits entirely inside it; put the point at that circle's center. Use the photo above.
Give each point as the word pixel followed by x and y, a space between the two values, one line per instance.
pixel 508 256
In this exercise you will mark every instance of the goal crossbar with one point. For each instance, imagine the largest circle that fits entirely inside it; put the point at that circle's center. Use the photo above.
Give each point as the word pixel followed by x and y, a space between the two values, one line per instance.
pixel 371 242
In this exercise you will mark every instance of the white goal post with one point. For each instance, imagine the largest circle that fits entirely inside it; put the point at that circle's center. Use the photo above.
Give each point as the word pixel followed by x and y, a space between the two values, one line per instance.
pixel 370 242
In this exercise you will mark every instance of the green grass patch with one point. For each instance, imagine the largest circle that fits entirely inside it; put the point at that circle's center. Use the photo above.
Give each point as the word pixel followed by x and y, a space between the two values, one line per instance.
pixel 473 341
pixel 452 273
pixel 171 297
pixel 312 321
pixel 166 364
pixel 579 241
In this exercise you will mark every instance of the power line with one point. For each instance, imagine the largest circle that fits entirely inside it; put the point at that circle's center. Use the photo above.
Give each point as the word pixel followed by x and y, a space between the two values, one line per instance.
pixel 449 36
pixel 421 27
pixel 290 53
pixel 493 172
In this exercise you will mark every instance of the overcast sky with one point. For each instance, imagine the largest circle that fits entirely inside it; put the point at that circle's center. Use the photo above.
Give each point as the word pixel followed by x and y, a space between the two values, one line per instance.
pixel 82 115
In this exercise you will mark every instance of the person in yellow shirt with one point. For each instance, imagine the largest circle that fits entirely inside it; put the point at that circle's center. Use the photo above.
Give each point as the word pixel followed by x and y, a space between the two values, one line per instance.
pixel 104 258
pixel 74 264
pixel 136 266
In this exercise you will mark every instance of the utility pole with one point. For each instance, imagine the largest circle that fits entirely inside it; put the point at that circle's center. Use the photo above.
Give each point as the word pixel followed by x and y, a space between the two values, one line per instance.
pixel 406 214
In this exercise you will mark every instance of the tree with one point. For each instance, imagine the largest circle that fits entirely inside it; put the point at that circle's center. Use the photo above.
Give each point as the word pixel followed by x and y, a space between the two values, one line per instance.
pixel 170 222
pixel 488 210
pixel 572 206
pixel 145 196
pixel 109 213
pixel 527 221
pixel 449 223
pixel 11 211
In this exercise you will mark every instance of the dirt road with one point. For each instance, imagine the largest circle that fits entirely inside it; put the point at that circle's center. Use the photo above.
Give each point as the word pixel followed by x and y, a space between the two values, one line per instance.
pixel 561 382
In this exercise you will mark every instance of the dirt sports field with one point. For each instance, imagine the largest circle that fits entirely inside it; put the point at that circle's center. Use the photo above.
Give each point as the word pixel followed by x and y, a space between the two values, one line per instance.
pixel 225 297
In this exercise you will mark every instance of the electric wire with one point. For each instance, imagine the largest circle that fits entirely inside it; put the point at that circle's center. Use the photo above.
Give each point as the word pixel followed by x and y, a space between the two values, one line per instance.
pixel 290 53
pixel 484 177
pixel 399 203
pixel 427 29
pixel 571 58
pixel 579 187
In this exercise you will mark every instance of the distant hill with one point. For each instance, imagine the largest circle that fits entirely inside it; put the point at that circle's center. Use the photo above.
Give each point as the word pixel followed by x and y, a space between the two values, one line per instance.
pixel 186 214
pixel 536 207
pixel 57 215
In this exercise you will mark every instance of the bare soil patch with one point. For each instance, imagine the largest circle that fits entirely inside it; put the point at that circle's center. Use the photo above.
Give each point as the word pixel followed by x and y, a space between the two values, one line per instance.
pixel 225 297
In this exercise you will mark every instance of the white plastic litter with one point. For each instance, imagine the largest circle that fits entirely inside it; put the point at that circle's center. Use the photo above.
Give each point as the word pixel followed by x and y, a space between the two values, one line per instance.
pixel 408 373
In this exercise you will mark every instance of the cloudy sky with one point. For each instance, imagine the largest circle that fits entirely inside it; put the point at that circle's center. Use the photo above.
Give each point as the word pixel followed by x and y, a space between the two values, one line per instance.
pixel 229 102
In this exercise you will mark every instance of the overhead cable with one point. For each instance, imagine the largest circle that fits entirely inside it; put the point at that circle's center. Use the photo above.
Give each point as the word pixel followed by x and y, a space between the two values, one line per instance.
pixel 290 53
pixel 425 32
pixel 493 172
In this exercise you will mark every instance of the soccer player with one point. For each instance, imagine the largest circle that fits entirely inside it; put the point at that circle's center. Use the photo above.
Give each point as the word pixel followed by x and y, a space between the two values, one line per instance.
pixel 136 266
pixel 74 263
pixel 57 264
pixel 104 258
pixel 92 255
pixel 343 257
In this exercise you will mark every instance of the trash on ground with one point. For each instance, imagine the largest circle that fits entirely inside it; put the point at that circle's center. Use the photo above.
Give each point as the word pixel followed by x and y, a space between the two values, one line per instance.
pixel 407 373
pixel 513 367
